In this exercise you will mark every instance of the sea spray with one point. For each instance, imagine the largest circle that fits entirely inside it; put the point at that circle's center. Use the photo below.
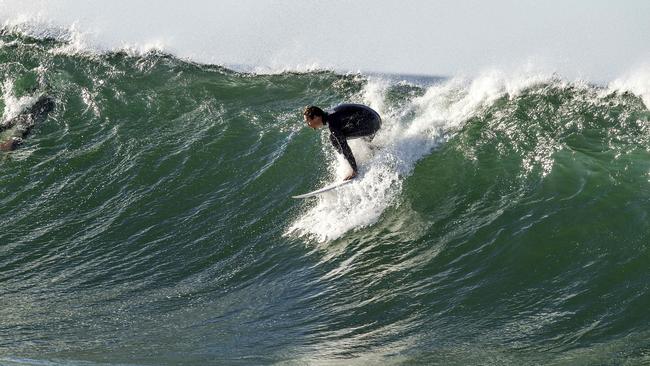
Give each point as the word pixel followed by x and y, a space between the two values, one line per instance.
pixel 408 133
pixel 501 217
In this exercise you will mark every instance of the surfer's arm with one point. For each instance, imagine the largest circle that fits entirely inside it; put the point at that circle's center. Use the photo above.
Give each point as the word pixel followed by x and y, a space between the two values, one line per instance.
pixel 341 145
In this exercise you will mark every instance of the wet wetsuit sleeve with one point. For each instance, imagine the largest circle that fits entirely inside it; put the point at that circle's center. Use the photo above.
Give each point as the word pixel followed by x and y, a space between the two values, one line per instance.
pixel 341 145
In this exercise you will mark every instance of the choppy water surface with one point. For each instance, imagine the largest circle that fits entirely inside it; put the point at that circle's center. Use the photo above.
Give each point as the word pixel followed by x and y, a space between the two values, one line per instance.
pixel 148 220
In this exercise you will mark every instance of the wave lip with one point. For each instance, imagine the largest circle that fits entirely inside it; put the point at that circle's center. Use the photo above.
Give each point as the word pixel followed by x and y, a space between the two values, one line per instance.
pixel 410 131
pixel 503 211
pixel 636 81
pixel 420 124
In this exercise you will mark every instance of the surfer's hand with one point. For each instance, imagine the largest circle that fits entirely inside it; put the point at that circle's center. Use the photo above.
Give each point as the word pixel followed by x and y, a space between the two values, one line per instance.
pixel 354 174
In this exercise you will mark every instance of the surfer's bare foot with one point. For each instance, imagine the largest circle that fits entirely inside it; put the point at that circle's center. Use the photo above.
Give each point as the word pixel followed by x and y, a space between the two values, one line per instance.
pixel 354 174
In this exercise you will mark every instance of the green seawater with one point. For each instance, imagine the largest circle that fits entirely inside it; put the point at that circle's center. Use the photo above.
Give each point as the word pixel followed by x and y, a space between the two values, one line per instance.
pixel 149 221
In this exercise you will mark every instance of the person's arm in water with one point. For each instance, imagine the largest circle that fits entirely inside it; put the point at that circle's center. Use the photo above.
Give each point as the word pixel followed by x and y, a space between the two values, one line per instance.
pixel 341 145
pixel 10 144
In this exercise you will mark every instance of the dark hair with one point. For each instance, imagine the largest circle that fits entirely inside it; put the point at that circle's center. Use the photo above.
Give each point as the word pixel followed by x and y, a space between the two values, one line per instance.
pixel 313 111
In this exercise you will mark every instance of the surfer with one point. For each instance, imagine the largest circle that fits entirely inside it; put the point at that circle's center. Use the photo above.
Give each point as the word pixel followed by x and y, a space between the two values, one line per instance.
pixel 13 131
pixel 345 121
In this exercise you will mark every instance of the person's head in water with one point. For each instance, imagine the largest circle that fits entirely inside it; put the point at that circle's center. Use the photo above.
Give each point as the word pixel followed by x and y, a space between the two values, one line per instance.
pixel 313 116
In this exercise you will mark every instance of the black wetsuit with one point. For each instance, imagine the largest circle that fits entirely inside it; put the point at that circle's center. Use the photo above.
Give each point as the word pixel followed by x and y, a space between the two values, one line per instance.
pixel 348 121
pixel 13 131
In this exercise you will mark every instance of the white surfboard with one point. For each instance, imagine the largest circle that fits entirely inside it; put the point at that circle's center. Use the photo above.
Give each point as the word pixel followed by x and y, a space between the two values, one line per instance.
pixel 324 189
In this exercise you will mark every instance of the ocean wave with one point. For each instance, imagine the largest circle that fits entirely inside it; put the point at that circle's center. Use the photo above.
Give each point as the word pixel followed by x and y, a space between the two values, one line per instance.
pixel 148 219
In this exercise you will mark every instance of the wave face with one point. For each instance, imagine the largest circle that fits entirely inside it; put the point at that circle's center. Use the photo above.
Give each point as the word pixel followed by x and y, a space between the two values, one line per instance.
pixel 148 219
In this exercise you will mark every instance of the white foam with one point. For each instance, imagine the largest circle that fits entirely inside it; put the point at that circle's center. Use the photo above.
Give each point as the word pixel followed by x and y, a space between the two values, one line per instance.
pixel 14 105
pixel 390 38
pixel 34 25
pixel 409 133
pixel 76 39
pixel 636 81
pixel 87 41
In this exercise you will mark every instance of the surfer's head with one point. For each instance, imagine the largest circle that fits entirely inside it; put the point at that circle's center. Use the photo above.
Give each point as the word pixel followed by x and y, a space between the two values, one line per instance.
pixel 313 116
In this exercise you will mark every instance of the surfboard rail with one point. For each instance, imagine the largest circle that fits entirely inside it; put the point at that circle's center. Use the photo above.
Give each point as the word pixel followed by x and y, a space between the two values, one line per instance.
pixel 324 189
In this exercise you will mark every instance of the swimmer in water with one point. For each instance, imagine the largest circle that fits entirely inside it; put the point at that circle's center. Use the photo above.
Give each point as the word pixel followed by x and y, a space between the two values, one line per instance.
pixel 14 131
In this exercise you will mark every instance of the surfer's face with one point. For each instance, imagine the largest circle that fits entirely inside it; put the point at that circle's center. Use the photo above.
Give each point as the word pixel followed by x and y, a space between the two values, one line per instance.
pixel 316 122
